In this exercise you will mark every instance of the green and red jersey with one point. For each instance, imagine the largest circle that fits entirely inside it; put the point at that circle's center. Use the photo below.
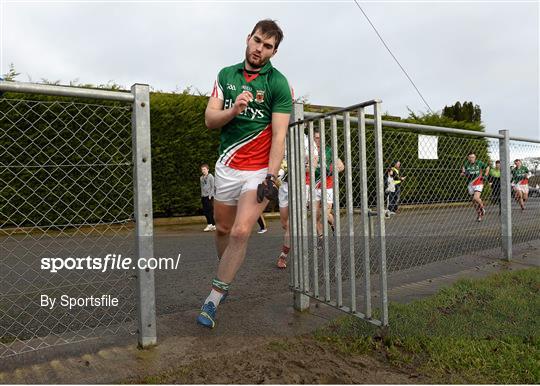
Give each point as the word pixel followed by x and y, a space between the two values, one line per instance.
pixel 520 175
pixel 318 173
pixel 474 170
pixel 247 138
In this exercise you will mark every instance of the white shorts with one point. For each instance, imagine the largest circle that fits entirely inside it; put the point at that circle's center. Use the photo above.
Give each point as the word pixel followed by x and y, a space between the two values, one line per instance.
pixel 521 188
pixel 474 188
pixel 283 195
pixel 232 183
pixel 329 195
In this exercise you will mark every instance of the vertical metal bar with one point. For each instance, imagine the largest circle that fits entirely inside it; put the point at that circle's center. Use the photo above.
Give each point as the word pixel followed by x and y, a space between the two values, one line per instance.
pixel 312 166
pixel 144 228
pixel 365 209
pixel 350 219
pixel 293 209
pixel 324 214
pixel 300 206
pixel 379 165
pixel 506 195
pixel 301 301
pixel 303 212
pixel 337 220
pixel 293 226
pixel 289 161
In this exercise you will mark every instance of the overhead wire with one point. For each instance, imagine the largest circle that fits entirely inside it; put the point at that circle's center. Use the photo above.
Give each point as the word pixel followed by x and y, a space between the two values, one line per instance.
pixel 394 57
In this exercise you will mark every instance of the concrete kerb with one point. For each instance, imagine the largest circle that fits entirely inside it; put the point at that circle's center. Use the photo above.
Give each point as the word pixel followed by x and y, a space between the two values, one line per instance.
pixel 165 221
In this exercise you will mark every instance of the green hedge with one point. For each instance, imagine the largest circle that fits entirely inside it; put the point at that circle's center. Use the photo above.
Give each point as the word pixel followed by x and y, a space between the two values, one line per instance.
pixel 180 144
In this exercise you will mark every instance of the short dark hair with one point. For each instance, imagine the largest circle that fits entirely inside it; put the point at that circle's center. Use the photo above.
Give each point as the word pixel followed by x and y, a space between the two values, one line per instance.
pixel 471 153
pixel 205 166
pixel 497 162
pixel 270 29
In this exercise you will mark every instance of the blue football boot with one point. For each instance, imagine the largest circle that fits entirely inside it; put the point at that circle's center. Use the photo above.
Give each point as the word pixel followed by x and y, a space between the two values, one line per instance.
pixel 208 315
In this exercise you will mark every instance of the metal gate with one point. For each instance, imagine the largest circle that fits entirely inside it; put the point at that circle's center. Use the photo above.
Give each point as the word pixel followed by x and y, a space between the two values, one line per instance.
pixel 344 267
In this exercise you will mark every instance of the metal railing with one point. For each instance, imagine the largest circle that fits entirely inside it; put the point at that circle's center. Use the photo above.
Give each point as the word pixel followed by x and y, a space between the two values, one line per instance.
pixel 339 252
pixel 75 182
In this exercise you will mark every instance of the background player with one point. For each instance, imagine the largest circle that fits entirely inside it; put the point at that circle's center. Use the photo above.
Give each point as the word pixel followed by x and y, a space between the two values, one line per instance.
pixel 475 170
pixel 328 198
pixel 520 182
pixel 284 200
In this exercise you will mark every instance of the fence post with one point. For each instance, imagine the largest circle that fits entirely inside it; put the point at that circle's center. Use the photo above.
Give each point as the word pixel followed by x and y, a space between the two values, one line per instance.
pixel 367 220
pixel 379 165
pixel 506 195
pixel 144 230
pixel 301 301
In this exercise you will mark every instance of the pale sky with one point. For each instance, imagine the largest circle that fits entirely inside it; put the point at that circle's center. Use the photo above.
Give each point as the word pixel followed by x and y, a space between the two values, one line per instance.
pixel 485 52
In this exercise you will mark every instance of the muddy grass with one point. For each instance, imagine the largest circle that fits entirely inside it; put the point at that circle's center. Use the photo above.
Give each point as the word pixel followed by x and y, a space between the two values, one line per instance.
pixel 477 331
pixel 288 361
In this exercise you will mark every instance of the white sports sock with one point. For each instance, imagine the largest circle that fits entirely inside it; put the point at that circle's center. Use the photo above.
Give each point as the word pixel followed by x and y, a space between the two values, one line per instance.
pixel 214 297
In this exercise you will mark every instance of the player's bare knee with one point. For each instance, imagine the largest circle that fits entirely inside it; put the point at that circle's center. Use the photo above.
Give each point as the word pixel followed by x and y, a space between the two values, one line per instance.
pixel 222 230
pixel 240 233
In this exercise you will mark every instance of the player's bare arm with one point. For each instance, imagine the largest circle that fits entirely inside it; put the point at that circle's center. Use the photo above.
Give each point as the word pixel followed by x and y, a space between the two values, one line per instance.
pixel 340 166
pixel 215 117
pixel 315 161
pixel 280 122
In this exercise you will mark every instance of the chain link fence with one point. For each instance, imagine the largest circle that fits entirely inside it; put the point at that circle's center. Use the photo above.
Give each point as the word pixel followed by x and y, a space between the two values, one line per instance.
pixel 429 219
pixel 526 223
pixel 66 198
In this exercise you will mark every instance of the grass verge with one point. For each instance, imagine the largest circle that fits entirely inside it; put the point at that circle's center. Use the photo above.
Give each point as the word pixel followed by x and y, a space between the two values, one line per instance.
pixel 477 331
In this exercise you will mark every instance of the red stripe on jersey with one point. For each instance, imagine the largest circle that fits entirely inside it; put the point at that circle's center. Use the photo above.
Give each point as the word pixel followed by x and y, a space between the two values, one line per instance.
pixel 254 155
pixel 478 181
pixel 215 90
pixel 329 183
pixel 249 77
pixel 318 185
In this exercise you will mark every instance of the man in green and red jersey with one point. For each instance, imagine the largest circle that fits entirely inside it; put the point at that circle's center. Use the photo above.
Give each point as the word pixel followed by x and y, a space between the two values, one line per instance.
pixel 475 170
pixel 329 196
pixel 520 183
pixel 250 103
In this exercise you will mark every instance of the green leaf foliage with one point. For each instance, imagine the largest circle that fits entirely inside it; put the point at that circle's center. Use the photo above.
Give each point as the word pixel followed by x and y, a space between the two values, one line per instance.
pixel 180 144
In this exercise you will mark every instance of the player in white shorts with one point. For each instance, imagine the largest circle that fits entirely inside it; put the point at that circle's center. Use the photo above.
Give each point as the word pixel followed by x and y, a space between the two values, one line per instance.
pixel 520 182
pixel 329 196
pixel 283 198
pixel 475 171
pixel 251 103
